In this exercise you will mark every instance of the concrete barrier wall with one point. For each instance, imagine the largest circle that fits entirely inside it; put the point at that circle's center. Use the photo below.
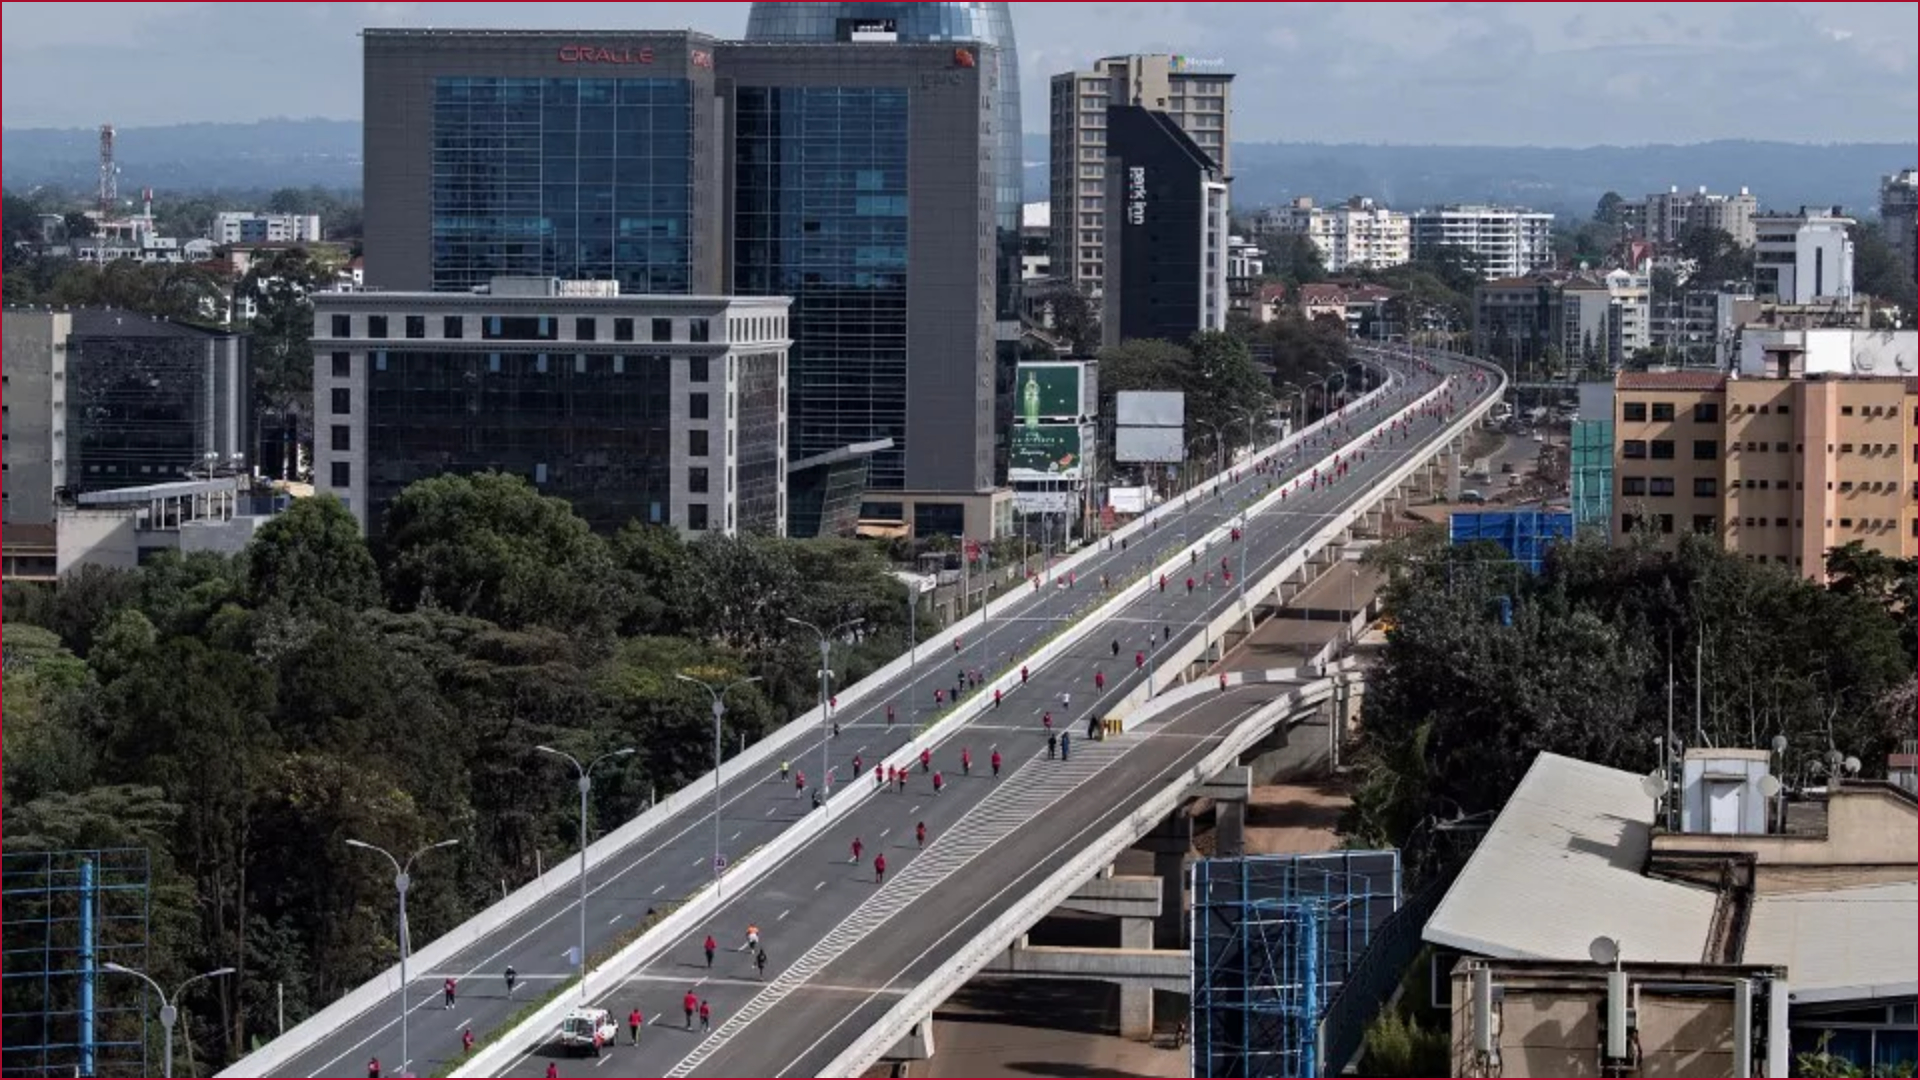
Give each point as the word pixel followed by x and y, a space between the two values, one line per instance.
pixel 920 1002
pixel 437 953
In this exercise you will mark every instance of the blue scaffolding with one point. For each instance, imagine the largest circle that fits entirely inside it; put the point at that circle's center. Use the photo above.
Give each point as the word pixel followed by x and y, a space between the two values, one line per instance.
pixel 1274 939
pixel 65 915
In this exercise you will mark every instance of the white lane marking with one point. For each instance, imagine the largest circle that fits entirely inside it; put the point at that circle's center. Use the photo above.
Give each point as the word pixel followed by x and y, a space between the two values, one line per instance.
pixel 658 889
pixel 734 837
pixel 820 886
pixel 783 915
pixel 613 920
pixel 464 1024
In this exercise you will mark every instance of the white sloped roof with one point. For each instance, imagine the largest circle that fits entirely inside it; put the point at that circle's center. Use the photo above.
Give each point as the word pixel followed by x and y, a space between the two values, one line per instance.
pixel 1561 866
pixel 1840 945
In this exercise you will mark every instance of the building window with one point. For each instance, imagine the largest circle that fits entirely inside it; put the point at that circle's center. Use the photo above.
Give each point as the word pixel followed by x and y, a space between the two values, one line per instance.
pixel 697 517
pixel 1704 525
pixel 343 326
pixel 699 407
pixel 342 441
pixel 1634 450
pixel 1846 410
pixel 699 444
pixel 1661 487
pixel 623 329
pixel 416 327
pixel 1706 450
pixel 1663 412
pixel 1633 487
pixel 1705 487
pixel 699 480
pixel 342 365
pixel 1662 449
pixel 1634 412
pixel 662 330
pixel 342 401
pixel 699 331
pixel 699 369
pixel 342 475
pixel 377 326
pixel 586 329
pixel 1666 524
pixel 453 327
pixel 1629 523
pixel 1706 413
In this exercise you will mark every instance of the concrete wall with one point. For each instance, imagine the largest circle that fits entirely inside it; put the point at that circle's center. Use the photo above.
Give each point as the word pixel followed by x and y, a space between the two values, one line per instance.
pixel 31 359
pixel 1549 1025
pixel 1871 835
pixel 107 538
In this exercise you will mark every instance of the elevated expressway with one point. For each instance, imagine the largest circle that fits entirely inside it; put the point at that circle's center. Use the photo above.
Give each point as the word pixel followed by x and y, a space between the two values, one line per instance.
pixel 853 966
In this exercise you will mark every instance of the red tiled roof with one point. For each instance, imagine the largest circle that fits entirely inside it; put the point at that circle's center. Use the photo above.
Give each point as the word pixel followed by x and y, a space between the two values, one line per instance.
pixel 1322 294
pixel 1272 294
pixel 1672 380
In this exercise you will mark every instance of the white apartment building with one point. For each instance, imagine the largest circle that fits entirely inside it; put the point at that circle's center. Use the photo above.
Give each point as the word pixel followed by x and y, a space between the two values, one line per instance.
pixel 1198 98
pixel 1665 217
pixel 1509 242
pixel 1804 258
pixel 252 227
pixel 1900 214
pixel 1606 320
pixel 1357 235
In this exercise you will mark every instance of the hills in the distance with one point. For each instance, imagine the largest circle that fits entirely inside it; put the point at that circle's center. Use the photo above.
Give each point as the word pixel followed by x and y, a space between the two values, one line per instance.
pixel 326 153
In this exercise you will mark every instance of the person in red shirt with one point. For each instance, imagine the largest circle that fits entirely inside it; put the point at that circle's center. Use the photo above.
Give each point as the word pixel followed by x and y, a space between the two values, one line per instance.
pixel 920 834
pixel 373 1067
pixel 1139 661
pixel 857 848
pixel 635 1022
pixel 448 994
pixel 1046 721
pixel 859 764
pixel 1023 675
pixel 879 776
pixel 926 761
pixel 1099 680
pixel 553 1070
pixel 706 1016
pixel 879 869
pixel 939 782
pixel 1189 586
pixel 889 714
pixel 966 761
pixel 466 1042
pixel 691 1004
pixel 996 763
pixel 710 946
pixel 996 697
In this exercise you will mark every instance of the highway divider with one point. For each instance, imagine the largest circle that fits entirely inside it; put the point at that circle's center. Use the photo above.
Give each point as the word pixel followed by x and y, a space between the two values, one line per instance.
pixel 439 953
pixel 1088 861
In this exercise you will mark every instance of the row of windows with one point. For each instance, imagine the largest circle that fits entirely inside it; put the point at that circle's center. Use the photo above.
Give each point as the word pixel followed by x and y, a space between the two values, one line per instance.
pixel 1664 412
pixel 699 368
pixel 1663 450
pixel 699 331
pixel 1665 487
pixel 699 514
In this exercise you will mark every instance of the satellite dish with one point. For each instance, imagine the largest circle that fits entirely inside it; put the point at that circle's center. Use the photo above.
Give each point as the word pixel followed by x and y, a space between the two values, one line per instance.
pixel 1655 785
pixel 1605 951
pixel 1779 744
pixel 1769 786
pixel 1852 765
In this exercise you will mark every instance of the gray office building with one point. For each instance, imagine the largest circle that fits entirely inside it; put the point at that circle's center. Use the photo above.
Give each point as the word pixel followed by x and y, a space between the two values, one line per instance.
pixel 847 176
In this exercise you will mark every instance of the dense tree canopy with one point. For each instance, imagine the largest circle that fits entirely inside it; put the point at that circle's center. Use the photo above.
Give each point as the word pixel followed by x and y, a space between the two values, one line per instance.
pixel 1488 666
pixel 239 717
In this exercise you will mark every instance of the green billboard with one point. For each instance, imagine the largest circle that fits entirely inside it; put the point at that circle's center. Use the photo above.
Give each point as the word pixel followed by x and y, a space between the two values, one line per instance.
pixel 1048 393
pixel 1045 452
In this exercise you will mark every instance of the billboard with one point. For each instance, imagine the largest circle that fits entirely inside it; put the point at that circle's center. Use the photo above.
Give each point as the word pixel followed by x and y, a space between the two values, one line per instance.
pixel 1525 534
pixel 1044 452
pixel 1046 502
pixel 1150 445
pixel 1151 409
pixel 1049 392
pixel 872 31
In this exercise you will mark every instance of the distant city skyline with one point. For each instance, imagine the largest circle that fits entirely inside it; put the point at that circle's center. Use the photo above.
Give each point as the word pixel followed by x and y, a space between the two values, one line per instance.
pixel 1575 74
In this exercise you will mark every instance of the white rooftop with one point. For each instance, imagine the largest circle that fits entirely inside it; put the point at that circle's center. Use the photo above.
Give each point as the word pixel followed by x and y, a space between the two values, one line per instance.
pixel 1843 945
pixel 1561 866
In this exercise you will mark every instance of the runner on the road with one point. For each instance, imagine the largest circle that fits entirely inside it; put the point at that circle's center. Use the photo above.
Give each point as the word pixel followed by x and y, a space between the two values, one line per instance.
pixel 553 1070
pixel 939 783
pixel 448 991
pixel 858 847
pixel 753 937
pixel 920 834
pixel 879 869
pixel 709 946
pixel 1053 745
pixel 996 763
pixel 690 1004
pixel 966 762
pixel 466 1042
pixel 706 1015
pixel 760 963
pixel 373 1067
pixel 635 1022
pixel 512 977
pixel 926 761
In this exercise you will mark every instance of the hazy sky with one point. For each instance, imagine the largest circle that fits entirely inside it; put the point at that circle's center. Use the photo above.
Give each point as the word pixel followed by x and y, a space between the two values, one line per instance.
pixel 1560 74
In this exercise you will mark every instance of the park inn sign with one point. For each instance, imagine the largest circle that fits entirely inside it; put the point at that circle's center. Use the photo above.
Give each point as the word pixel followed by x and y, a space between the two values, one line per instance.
pixel 1136 196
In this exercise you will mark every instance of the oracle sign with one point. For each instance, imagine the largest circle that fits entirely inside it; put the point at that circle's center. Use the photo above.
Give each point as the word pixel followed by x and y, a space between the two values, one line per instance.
pixel 599 54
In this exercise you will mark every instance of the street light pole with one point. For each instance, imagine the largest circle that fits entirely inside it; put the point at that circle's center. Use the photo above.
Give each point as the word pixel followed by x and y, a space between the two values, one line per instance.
pixel 719 696
pixel 402 880
pixel 826 672
pixel 584 782
pixel 168 1010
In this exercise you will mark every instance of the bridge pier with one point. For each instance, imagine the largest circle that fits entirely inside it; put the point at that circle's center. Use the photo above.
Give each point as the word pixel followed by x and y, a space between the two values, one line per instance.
pixel 917 1045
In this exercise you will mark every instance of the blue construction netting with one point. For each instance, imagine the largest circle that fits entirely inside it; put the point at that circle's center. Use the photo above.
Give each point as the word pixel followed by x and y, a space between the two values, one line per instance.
pixel 64 915
pixel 1274 939
pixel 1525 535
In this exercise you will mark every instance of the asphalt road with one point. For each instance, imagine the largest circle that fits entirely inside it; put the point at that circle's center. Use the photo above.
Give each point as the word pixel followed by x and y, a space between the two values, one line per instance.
pixel 831 971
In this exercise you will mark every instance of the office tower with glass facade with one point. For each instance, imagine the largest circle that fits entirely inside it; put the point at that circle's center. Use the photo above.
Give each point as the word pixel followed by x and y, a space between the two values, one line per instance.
pixel 663 410
pixel 100 399
pixel 583 155
pixel 1166 246
pixel 861 177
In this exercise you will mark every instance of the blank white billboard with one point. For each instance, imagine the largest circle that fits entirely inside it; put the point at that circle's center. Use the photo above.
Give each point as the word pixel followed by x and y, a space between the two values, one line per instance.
pixel 1150 445
pixel 1139 408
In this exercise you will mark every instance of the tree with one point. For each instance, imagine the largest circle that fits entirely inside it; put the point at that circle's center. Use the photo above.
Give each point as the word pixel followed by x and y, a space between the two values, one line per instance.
pixel 492 547
pixel 1075 319
pixel 79 225
pixel 312 554
pixel 281 289
pixel 1716 256
pixel 1880 273
pixel 1295 260
pixel 1608 212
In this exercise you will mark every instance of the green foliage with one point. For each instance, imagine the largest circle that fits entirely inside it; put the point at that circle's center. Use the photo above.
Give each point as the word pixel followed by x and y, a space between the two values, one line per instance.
pixel 183 291
pixel 1819 1062
pixel 1879 272
pixel 1295 260
pixel 240 717
pixel 1214 370
pixel 1462 704
pixel 281 288
pixel 1397 1045
pixel 1716 256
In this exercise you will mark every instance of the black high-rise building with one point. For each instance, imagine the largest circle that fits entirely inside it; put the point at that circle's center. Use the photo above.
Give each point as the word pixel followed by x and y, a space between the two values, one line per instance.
pixel 1166 274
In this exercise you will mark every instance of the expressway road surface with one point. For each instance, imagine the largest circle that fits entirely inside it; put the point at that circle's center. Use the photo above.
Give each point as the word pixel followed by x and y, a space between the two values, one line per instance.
pixel 842 949
pixel 675 859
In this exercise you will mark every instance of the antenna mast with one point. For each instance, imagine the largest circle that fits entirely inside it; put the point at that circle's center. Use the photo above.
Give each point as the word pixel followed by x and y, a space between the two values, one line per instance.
pixel 109 196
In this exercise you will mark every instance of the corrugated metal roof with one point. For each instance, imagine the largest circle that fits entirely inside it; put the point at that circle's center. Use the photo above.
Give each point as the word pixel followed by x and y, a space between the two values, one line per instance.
pixel 1672 380
pixel 1562 866
pixel 1843 945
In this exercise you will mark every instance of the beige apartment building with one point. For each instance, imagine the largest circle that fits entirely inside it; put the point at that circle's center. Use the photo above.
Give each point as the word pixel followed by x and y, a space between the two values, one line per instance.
pixel 1781 469
pixel 1196 93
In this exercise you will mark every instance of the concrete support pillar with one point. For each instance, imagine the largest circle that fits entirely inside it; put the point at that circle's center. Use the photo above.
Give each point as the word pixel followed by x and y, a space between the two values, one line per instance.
pixel 1230 825
pixel 1171 927
pixel 1136 1012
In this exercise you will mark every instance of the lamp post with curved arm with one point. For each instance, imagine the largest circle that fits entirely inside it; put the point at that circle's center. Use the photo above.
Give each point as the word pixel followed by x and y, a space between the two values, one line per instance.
pixel 826 672
pixel 402 881
pixel 584 781
pixel 169 1012
pixel 719 696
